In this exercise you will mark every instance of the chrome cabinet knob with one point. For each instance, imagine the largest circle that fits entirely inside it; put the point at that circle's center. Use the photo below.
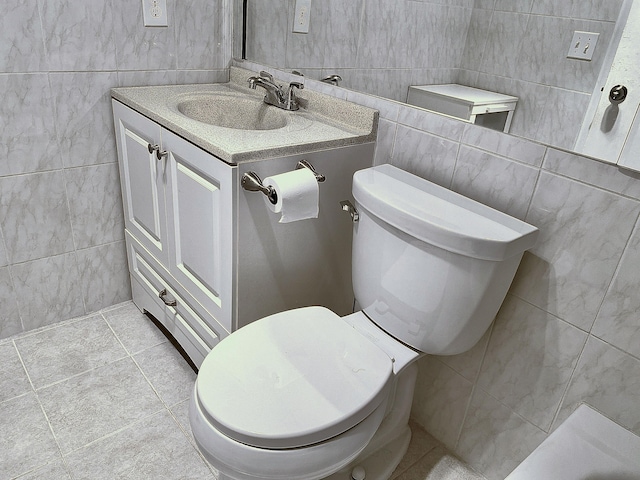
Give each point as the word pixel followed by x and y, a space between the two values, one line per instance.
pixel 160 154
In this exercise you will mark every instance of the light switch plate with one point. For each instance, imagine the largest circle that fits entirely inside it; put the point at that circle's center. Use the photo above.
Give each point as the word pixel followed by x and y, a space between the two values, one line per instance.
pixel 301 16
pixel 583 45
pixel 154 13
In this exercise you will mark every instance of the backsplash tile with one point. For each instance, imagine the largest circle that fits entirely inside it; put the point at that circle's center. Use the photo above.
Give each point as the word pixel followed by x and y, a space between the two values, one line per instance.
pixel 617 321
pixel 425 155
pixel 531 389
pixel 202 43
pixel 583 231
pixel 510 183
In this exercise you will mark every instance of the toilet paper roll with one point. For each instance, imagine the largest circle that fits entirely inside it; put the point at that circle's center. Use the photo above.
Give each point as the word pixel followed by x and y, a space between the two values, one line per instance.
pixel 298 195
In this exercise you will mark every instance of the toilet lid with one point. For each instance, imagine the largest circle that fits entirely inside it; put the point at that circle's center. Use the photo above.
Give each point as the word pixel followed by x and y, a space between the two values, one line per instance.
pixel 292 379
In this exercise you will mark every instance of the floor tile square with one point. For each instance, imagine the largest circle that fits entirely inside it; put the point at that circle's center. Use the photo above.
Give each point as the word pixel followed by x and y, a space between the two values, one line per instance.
pixel 26 441
pixel 89 406
pixel 51 471
pixel 134 329
pixel 73 347
pixel 154 448
pixel 168 372
pixel 13 378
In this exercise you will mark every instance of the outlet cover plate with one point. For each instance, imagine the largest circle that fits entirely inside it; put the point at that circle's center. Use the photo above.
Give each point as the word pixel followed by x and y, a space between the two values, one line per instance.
pixel 301 16
pixel 583 44
pixel 154 13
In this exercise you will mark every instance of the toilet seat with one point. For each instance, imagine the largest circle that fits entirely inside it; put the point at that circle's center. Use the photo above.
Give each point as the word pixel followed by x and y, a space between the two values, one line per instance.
pixel 292 379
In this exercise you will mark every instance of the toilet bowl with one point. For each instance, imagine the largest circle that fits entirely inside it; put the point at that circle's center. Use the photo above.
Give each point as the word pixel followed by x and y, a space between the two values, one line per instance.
pixel 306 394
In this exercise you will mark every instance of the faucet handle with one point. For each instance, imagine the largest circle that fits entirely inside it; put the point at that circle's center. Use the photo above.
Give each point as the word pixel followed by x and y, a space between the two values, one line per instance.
pixel 266 75
pixel 291 100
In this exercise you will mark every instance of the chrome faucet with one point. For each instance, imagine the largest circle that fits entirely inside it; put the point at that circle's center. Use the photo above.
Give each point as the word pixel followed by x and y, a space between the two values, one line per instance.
pixel 275 95
pixel 333 79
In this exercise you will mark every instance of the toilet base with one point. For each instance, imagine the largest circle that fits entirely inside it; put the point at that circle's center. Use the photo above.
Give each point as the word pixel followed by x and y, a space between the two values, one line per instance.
pixel 380 464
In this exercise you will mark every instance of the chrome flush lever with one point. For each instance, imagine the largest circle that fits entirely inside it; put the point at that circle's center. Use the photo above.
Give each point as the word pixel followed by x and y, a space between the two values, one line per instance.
pixel 347 206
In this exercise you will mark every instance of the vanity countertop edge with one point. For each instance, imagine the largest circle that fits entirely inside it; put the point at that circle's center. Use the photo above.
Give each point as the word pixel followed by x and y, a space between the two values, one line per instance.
pixel 334 122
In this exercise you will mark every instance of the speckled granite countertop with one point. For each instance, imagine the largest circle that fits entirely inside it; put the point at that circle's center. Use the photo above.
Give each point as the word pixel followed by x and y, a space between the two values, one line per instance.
pixel 322 121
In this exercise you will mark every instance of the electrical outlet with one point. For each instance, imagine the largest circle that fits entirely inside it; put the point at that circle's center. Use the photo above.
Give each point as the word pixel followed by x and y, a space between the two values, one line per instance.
pixel 301 16
pixel 582 45
pixel 154 13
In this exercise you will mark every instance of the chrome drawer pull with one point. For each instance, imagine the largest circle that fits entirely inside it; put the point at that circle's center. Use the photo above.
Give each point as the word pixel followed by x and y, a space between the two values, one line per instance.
pixel 167 299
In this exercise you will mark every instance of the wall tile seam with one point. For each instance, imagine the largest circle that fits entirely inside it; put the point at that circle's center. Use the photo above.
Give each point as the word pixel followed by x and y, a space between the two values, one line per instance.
pixel 428 132
pixel 16 397
pixel 468 402
pixel 51 326
pixel 105 244
pixel 538 84
pixel 502 156
pixel 474 385
pixel 538 307
pixel 455 167
pixel 60 254
pixel 15 298
pixel 511 410
pixel 571 17
pixel 569 383
pixel 587 183
pixel 609 288
pixel 115 306
pixel 486 43
pixel 125 355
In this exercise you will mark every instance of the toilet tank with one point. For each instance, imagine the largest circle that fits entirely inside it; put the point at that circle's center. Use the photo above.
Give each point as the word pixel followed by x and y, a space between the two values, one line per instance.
pixel 431 267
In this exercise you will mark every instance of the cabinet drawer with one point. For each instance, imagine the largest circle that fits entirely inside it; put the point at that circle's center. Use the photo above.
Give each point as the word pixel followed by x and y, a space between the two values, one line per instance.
pixel 178 313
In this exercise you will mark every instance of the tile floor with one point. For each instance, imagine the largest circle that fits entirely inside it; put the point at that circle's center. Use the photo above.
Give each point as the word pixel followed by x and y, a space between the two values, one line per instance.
pixel 106 397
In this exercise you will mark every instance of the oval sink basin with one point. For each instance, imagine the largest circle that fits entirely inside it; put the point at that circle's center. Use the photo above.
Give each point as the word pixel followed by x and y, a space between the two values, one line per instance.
pixel 232 111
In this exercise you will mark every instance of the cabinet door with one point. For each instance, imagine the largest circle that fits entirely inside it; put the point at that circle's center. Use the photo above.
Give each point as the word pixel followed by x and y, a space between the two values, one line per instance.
pixel 141 176
pixel 199 193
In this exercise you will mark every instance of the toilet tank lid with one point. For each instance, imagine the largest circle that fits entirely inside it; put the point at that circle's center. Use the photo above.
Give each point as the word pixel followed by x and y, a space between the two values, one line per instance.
pixel 439 216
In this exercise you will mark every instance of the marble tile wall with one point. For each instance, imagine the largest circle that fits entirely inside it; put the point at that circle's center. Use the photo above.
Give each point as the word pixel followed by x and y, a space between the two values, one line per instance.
pixel 61 224
pixel 569 329
pixel 513 47
pixel 519 48
pixel 362 41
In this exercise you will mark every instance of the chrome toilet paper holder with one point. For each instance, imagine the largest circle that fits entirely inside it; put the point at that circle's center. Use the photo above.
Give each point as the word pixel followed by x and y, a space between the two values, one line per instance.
pixel 251 182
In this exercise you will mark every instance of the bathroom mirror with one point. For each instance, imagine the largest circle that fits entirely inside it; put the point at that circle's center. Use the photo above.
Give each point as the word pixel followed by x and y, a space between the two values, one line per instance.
pixel 517 48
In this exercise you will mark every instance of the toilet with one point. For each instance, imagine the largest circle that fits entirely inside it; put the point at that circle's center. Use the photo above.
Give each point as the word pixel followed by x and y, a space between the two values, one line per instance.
pixel 305 394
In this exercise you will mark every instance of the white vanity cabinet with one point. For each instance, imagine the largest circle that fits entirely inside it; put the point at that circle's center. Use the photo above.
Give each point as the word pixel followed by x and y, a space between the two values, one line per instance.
pixel 178 218
pixel 207 257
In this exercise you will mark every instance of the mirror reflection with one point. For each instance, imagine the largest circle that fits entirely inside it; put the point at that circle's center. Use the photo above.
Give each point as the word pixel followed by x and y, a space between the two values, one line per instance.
pixel 516 48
